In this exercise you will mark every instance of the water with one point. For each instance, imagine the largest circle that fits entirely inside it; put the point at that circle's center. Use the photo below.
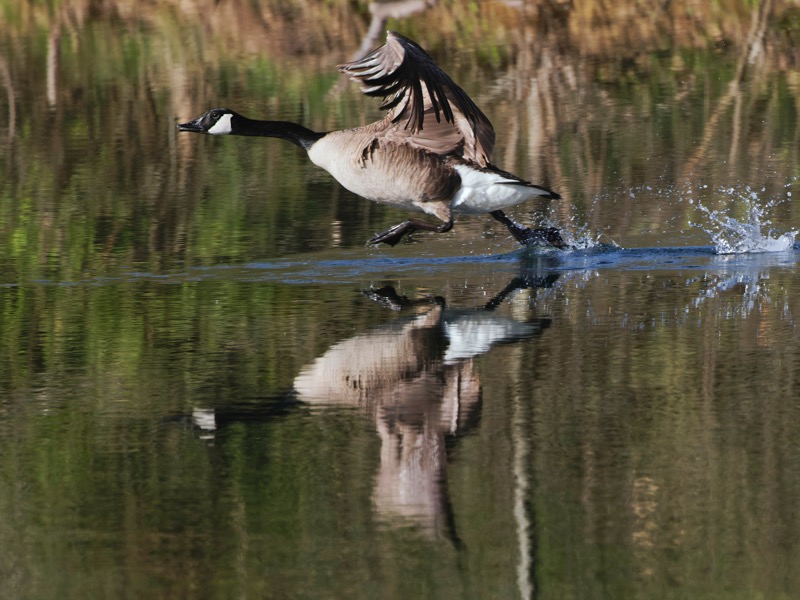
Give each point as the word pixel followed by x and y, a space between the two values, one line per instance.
pixel 732 236
pixel 211 387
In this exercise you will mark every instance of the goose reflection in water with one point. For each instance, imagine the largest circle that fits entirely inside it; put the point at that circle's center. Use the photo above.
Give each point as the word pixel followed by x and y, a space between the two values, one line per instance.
pixel 415 377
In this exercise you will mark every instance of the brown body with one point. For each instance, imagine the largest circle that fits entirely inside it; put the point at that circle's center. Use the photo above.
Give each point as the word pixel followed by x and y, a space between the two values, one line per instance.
pixel 360 161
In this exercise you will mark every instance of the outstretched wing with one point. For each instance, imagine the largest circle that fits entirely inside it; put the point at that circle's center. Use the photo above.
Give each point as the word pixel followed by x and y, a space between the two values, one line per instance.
pixel 426 108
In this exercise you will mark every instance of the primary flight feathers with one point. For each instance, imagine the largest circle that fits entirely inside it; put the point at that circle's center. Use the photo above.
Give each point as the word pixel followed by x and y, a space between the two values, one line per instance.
pixel 416 93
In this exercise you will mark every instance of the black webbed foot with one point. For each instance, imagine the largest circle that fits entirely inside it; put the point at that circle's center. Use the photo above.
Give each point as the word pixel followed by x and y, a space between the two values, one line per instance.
pixel 544 236
pixel 395 233
pixel 392 235
pixel 389 297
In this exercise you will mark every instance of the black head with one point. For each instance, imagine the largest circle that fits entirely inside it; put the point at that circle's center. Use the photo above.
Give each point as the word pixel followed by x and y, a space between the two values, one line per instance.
pixel 217 121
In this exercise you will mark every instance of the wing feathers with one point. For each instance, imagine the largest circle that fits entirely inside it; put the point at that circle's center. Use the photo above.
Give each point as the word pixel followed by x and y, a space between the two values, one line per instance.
pixel 414 89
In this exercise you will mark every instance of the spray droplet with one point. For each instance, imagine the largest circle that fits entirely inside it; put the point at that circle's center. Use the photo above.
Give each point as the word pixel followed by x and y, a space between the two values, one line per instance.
pixel 733 236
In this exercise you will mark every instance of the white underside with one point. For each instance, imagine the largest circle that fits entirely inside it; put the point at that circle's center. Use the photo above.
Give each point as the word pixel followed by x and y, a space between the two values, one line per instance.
pixel 483 191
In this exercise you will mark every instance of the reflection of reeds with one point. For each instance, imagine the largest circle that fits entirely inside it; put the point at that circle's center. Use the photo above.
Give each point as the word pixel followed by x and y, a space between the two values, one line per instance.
pixel 751 56
pixel 683 375
pixel 5 78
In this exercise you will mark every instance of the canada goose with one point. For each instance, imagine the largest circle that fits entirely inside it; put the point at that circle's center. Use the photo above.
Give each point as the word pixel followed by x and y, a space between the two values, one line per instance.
pixel 431 153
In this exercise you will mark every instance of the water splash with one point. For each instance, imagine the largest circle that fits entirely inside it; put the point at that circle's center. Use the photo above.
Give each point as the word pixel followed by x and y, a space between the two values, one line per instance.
pixel 578 237
pixel 753 234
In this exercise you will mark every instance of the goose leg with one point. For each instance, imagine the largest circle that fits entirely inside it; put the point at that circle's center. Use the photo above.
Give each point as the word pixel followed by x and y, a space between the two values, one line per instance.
pixel 394 234
pixel 547 236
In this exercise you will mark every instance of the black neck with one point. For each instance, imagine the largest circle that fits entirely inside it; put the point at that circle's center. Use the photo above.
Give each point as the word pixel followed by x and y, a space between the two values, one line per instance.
pixel 297 134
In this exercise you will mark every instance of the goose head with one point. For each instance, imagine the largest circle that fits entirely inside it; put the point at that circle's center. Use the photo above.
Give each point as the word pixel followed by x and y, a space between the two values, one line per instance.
pixel 217 121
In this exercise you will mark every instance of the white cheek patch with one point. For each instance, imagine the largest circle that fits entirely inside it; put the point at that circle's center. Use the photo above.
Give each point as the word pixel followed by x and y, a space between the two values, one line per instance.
pixel 222 126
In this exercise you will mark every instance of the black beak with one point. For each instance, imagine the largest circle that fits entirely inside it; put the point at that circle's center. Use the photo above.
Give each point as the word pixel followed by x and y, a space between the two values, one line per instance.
pixel 192 126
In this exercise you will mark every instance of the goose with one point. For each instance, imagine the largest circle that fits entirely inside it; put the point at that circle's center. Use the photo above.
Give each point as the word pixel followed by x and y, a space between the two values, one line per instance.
pixel 430 153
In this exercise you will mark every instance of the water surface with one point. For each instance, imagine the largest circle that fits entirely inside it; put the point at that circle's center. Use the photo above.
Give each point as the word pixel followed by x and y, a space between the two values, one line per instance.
pixel 211 387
